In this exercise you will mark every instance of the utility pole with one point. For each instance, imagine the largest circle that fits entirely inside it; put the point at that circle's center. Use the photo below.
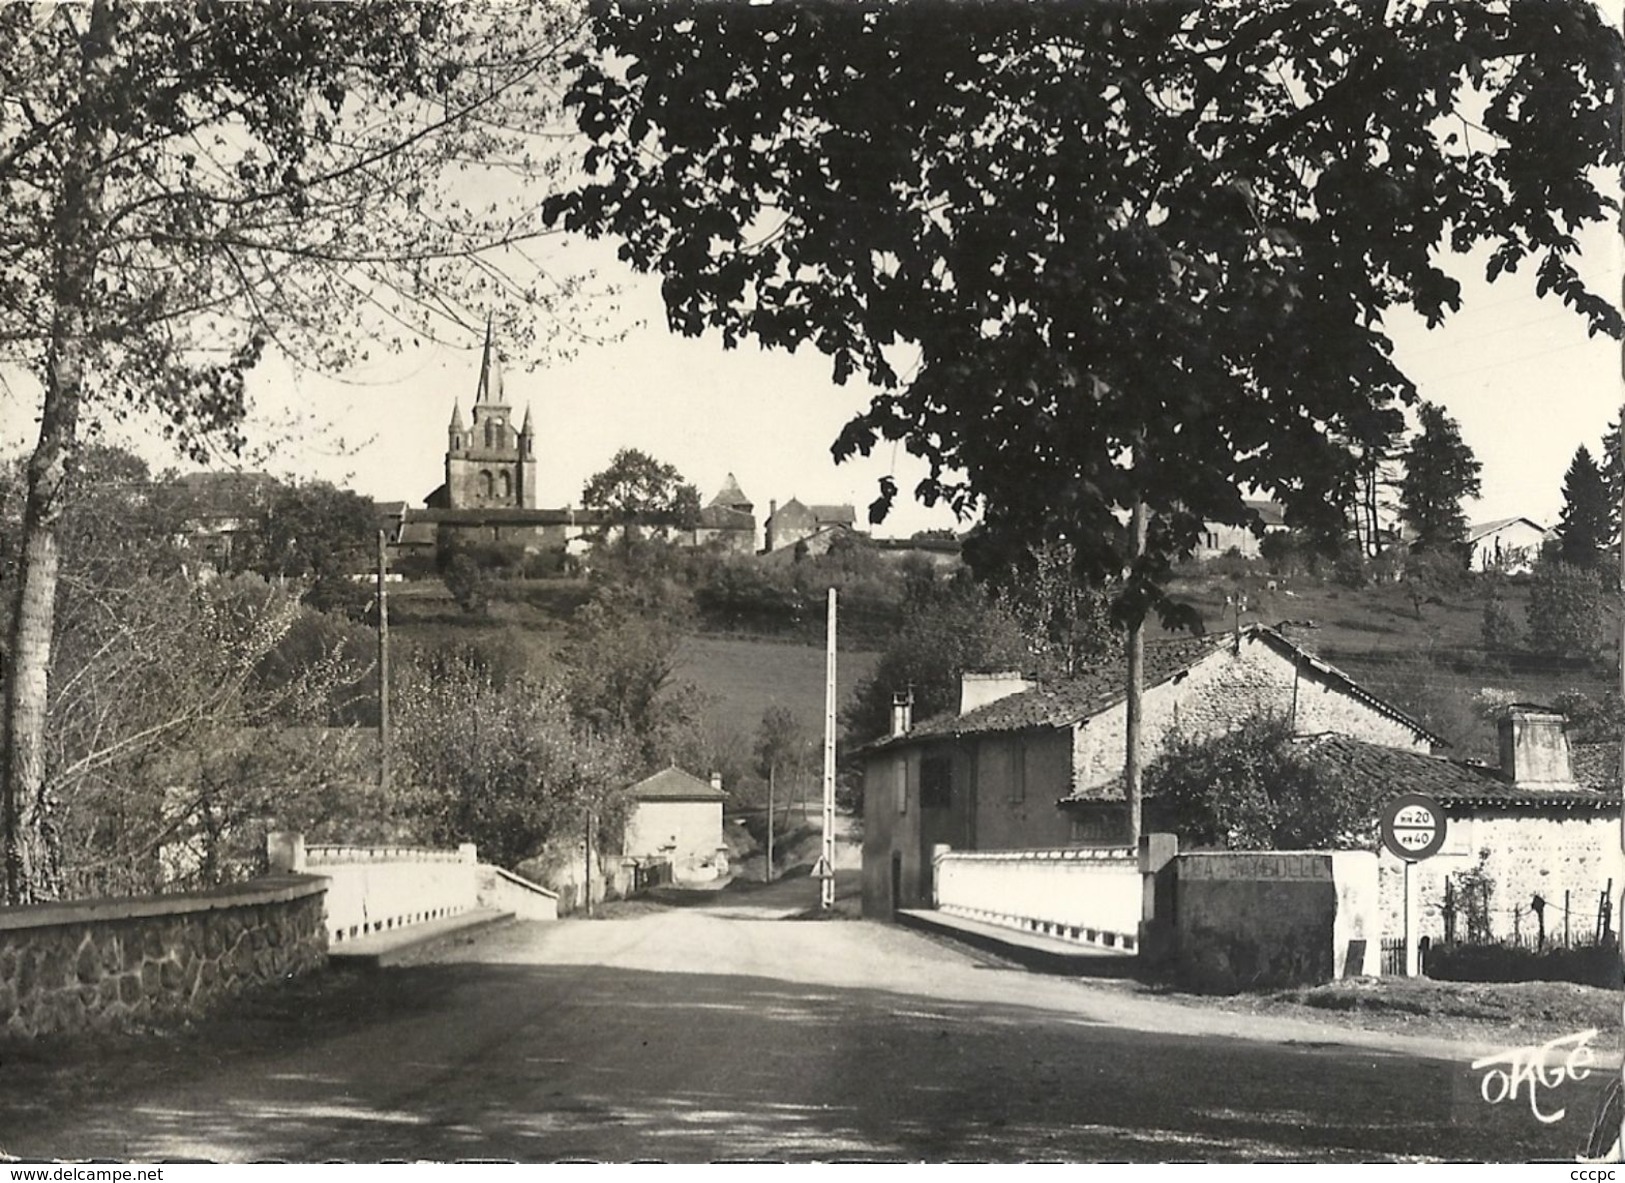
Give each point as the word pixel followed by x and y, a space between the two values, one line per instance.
pixel 1136 684
pixel 588 875
pixel 826 861
pixel 383 666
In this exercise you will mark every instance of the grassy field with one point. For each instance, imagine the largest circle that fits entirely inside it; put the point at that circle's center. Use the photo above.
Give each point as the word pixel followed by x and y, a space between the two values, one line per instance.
pixel 1431 662
pixel 743 675
pixel 749 675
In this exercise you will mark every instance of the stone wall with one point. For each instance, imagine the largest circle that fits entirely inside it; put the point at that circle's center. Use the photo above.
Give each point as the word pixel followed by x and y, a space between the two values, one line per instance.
pixel 1245 919
pixel 1223 691
pixel 105 964
pixel 1541 851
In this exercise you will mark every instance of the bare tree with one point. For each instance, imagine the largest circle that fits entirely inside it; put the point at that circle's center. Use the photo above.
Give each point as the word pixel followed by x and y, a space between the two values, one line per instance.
pixel 187 186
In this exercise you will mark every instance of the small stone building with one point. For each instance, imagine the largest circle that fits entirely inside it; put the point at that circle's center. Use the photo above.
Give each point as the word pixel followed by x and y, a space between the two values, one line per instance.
pixel 1531 826
pixel 1038 766
pixel 678 817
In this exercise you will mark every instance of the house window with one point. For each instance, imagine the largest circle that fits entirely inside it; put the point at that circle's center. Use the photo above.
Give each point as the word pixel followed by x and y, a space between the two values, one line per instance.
pixel 936 782
pixel 900 780
pixel 507 486
pixel 486 485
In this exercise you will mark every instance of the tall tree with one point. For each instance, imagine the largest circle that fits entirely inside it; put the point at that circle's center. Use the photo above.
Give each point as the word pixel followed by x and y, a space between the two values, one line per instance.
pixel 187 186
pixel 1613 471
pixel 1586 525
pixel 1440 470
pixel 636 490
pixel 1126 252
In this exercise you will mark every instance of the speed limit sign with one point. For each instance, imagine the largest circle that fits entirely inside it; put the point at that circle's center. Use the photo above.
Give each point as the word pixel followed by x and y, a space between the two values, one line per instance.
pixel 1413 827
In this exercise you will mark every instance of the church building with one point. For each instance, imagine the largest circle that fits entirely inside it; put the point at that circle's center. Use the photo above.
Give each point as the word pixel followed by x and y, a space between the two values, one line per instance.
pixel 489 465
pixel 490 490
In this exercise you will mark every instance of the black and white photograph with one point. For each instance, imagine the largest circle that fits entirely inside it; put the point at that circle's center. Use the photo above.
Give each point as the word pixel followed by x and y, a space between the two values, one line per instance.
pixel 811 582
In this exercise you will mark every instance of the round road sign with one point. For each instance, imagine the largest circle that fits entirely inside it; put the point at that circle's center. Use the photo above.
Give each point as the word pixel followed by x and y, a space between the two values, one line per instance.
pixel 1413 827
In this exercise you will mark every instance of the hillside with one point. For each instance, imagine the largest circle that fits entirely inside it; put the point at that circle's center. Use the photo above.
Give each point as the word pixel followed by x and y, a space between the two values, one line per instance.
pixel 1433 662
pixel 743 675
pixel 1428 658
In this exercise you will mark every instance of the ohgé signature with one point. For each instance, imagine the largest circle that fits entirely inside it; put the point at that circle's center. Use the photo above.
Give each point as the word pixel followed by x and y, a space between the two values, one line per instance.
pixel 1538 1066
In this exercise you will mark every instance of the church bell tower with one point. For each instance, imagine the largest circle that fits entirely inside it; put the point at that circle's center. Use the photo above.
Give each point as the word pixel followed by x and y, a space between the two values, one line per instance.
pixel 489 463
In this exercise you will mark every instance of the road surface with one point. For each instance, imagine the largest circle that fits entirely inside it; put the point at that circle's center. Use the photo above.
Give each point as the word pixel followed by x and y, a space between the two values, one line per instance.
pixel 717 1032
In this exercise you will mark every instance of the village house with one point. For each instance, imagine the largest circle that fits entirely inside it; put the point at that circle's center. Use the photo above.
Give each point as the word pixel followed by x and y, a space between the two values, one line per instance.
pixel 794 522
pixel 1221 538
pixel 1028 766
pixel 677 817
pixel 1509 546
pixel 1543 825
pixel 728 522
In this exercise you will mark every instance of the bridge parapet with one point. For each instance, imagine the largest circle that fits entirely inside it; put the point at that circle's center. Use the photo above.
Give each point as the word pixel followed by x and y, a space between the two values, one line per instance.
pixel 1091 895
pixel 374 889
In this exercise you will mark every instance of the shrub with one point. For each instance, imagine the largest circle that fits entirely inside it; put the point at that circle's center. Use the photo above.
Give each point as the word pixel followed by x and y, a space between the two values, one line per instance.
pixel 1588 965
pixel 1568 611
pixel 1500 628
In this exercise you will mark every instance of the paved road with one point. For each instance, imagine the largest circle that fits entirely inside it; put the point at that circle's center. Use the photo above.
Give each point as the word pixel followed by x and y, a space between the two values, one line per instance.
pixel 717 1032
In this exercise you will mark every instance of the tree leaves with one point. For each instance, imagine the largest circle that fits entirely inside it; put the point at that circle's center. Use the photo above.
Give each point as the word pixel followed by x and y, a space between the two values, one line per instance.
pixel 1143 251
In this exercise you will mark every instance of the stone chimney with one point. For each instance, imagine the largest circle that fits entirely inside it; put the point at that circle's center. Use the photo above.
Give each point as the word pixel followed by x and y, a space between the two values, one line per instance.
pixel 902 711
pixel 1534 747
pixel 979 689
pixel 716 781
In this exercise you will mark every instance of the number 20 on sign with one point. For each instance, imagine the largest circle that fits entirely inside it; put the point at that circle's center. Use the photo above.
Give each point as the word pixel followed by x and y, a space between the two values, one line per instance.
pixel 1413 827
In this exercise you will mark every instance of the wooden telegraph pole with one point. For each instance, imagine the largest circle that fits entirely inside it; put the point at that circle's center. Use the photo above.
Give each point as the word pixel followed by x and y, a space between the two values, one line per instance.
pixel 826 861
pixel 383 666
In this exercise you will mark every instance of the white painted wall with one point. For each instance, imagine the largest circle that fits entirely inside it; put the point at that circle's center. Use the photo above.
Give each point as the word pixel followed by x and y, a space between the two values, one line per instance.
pixel 1092 896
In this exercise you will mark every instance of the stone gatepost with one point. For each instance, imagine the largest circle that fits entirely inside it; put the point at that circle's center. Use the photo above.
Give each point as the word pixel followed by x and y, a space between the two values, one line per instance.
pixel 1158 884
pixel 285 852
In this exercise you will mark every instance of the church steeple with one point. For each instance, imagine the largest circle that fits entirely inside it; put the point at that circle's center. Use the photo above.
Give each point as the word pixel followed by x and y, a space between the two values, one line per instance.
pixel 490 387
pixel 527 435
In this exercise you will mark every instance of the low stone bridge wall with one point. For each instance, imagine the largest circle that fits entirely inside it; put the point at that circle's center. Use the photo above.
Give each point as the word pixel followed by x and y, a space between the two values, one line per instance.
pixel 1091 895
pixel 102 964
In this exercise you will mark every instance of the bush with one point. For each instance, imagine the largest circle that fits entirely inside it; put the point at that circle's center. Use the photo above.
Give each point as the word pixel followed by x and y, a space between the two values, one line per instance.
pixel 1500 628
pixel 1568 611
pixel 1588 965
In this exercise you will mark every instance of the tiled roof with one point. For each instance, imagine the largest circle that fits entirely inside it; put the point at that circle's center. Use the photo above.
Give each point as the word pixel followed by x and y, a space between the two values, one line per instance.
pixel 509 515
pixel 673 784
pixel 724 517
pixel 1269 513
pixel 1064 704
pixel 1451 782
pixel 731 495
pixel 833 515
pixel 1102 687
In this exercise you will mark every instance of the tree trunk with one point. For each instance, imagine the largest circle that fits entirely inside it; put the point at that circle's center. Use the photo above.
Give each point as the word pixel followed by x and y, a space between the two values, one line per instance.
pixel 31 872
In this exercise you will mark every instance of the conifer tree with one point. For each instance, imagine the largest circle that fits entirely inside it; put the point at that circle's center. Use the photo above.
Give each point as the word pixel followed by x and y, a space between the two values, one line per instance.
pixel 1587 523
pixel 1440 470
